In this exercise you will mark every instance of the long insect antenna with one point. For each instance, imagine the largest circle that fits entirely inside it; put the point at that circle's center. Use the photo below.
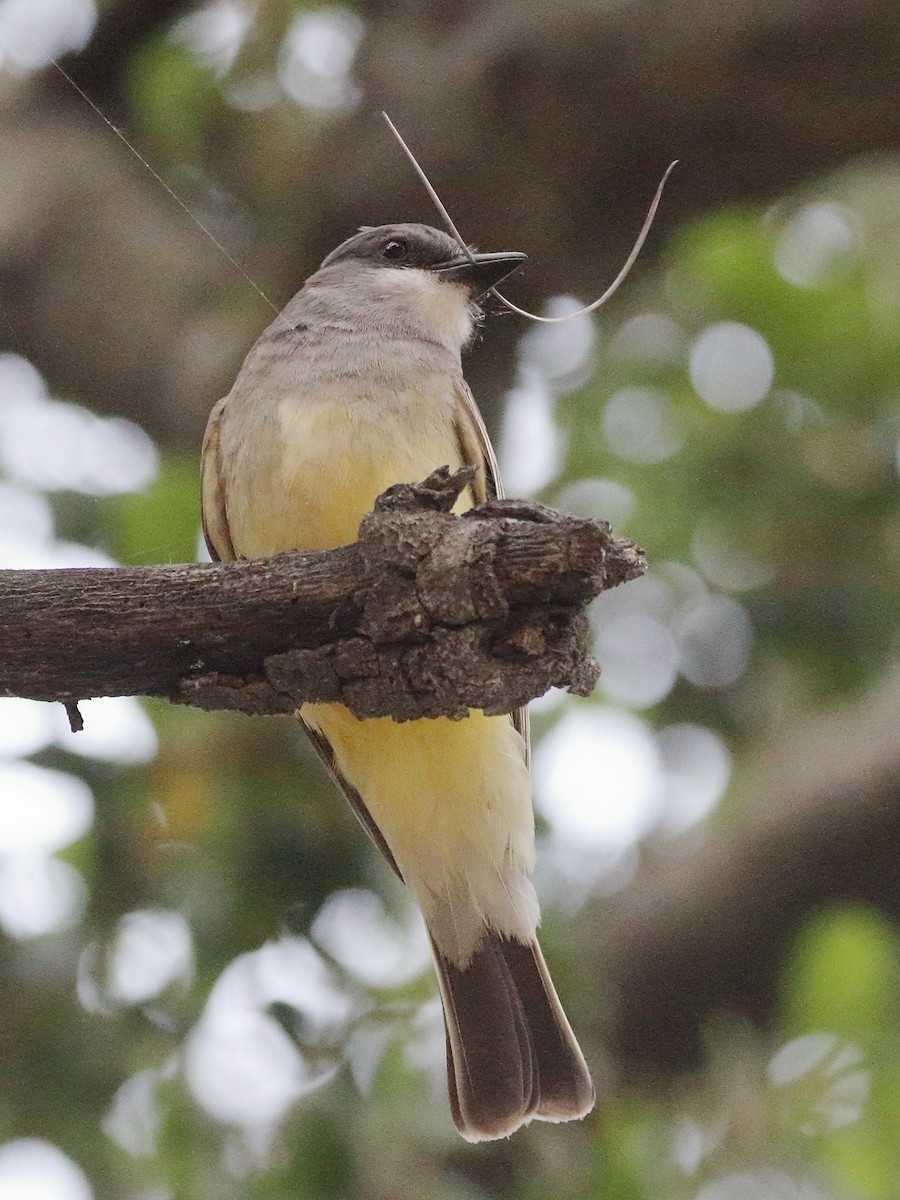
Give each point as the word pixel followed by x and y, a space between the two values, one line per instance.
pixel 435 198
pixel 522 312
pixel 159 179
pixel 623 273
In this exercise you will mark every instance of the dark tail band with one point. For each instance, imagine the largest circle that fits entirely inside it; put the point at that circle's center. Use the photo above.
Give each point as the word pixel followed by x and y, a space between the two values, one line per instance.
pixel 511 1054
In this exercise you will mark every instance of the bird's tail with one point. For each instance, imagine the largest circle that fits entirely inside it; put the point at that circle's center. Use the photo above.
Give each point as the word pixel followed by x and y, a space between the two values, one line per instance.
pixel 511 1054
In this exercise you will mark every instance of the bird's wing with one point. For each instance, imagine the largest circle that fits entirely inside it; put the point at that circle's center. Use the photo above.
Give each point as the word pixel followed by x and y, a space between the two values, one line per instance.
pixel 476 449
pixel 323 748
pixel 475 445
pixel 212 490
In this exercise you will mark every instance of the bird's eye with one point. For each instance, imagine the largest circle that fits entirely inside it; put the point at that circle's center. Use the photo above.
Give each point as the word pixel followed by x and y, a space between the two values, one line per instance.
pixel 393 249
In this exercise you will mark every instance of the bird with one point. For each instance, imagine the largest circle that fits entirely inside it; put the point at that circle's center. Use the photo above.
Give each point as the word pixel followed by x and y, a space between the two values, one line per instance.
pixel 358 385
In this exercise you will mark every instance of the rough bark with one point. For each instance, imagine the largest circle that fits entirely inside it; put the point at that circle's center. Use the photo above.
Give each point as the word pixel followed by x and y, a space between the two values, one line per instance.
pixel 427 614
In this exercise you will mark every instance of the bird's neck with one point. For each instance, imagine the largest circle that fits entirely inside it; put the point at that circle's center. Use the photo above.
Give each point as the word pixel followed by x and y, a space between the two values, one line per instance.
pixel 401 306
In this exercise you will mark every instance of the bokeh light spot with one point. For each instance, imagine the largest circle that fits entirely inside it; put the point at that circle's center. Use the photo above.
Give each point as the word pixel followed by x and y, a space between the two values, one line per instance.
pixel 353 927
pixel 560 353
pixel 731 366
pixel 116 729
pixel 215 33
pixel 639 425
pixel 32 32
pixel 531 444
pixel 55 446
pixel 815 244
pixel 597 500
pixel 32 1169
pixel 760 1185
pixel 41 810
pixel 243 1068
pixel 153 949
pixel 317 58
pixel 26 726
pixel 39 895
pixel 649 338
pixel 724 564
pixel 597 778
pixel 638 658
pixel 696 770
pixel 714 638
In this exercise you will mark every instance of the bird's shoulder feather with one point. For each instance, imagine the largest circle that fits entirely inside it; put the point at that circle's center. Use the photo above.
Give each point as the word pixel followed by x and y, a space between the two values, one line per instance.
pixel 212 489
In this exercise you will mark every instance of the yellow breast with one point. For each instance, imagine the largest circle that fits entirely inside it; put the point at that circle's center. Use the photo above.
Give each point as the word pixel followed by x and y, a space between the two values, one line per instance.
pixel 317 467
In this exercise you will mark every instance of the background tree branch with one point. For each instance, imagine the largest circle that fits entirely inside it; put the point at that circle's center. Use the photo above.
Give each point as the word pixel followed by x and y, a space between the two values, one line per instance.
pixel 753 98
pixel 709 932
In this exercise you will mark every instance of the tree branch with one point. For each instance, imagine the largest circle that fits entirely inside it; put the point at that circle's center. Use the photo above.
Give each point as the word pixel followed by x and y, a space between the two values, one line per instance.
pixel 428 614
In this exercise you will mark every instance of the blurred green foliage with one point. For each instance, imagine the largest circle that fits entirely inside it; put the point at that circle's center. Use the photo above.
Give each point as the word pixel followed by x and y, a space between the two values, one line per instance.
pixel 235 826
pixel 160 524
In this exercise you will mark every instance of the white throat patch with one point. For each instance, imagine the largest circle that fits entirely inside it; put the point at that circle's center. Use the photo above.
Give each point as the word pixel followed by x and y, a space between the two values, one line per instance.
pixel 441 309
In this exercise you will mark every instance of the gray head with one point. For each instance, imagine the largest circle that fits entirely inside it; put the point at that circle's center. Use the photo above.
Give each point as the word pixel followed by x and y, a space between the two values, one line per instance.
pixel 404 244
pixel 408 246
pixel 400 281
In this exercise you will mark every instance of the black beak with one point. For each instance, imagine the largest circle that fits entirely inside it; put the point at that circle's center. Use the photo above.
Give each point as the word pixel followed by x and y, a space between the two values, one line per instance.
pixel 485 272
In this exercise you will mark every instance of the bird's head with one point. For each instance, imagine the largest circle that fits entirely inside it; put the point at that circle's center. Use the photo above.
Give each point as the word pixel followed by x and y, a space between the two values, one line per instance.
pixel 414 277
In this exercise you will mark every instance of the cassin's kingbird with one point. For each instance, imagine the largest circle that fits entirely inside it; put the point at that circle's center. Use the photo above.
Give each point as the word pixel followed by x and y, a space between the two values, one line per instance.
pixel 356 386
